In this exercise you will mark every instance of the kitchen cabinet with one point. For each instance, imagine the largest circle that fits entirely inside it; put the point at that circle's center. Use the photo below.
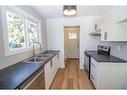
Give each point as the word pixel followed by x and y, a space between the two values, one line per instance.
pixel 112 29
pixel 119 13
pixel 93 74
pixel 108 75
pixel 51 69
pixel 48 74
pixel 55 65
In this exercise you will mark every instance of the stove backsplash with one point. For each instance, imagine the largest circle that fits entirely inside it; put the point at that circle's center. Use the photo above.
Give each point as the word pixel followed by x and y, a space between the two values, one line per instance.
pixel 118 49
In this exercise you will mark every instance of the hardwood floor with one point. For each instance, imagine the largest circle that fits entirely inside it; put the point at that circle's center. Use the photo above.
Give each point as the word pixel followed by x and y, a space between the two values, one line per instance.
pixel 71 77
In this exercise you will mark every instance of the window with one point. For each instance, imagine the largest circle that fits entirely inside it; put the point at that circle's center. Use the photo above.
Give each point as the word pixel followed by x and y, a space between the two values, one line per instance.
pixel 15 27
pixel 72 35
pixel 31 29
pixel 21 30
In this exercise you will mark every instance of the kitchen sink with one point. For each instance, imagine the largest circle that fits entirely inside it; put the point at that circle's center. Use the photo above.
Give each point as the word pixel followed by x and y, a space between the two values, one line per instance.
pixel 44 55
pixel 36 60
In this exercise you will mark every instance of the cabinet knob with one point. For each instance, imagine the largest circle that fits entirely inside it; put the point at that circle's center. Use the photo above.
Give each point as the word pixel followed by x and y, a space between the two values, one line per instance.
pixel 51 63
pixel 93 65
pixel 57 56
pixel 92 77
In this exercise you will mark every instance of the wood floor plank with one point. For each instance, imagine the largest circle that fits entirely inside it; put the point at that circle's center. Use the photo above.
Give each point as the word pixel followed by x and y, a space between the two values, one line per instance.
pixel 71 77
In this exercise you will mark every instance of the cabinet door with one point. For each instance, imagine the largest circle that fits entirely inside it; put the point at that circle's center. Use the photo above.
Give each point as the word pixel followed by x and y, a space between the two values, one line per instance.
pixel 48 74
pixel 120 13
pixel 58 61
pixel 51 69
pixel 55 63
pixel 111 30
pixel 54 69
pixel 105 28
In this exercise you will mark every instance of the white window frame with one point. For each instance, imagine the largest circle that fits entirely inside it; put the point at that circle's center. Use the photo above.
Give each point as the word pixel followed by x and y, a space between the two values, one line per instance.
pixel 5 29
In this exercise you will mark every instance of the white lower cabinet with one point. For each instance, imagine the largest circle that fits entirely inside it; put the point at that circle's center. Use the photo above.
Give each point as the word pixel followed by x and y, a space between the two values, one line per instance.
pixel 47 69
pixel 54 65
pixel 108 75
pixel 93 74
pixel 51 69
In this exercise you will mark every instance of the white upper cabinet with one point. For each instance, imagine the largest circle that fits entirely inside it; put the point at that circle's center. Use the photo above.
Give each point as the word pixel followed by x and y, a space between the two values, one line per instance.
pixel 120 13
pixel 113 25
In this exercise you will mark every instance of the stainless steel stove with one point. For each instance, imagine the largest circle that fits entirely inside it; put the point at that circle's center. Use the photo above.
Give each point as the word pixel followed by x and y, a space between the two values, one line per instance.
pixel 104 50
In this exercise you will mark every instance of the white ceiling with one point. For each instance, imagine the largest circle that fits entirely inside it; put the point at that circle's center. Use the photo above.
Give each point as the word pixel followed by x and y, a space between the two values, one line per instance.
pixel 57 11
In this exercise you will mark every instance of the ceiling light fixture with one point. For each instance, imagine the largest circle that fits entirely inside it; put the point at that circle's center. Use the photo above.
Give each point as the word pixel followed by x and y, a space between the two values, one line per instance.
pixel 70 10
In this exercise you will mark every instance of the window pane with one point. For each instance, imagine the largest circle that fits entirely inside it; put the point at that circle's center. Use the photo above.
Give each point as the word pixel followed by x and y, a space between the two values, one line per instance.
pixel 32 32
pixel 72 35
pixel 15 27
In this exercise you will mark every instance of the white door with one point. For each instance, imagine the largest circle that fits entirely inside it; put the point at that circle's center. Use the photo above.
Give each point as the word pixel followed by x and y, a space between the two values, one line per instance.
pixel 72 41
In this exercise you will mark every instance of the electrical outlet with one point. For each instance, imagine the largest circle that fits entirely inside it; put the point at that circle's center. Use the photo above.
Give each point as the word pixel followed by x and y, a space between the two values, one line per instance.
pixel 118 48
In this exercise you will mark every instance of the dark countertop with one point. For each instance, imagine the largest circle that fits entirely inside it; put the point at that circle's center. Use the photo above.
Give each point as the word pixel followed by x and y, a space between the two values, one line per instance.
pixel 11 77
pixel 103 58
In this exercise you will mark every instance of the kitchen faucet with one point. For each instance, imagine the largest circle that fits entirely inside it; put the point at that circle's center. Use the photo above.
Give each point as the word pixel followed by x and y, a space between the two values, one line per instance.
pixel 34 54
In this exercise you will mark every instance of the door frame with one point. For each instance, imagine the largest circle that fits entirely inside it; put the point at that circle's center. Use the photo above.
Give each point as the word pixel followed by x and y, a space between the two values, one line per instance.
pixel 73 26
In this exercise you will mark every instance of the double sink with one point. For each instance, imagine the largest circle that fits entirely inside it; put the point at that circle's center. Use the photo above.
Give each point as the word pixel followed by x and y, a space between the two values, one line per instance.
pixel 38 58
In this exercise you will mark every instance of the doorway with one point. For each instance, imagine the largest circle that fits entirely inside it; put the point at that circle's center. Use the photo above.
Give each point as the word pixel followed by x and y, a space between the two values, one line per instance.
pixel 71 42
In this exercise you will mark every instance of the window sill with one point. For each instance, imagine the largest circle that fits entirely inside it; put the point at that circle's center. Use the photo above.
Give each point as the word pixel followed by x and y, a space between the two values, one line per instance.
pixel 18 51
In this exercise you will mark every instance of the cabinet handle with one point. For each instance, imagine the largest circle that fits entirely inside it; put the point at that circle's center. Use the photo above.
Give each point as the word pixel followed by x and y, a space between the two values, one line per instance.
pixel 57 56
pixel 93 65
pixel 92 77
pixel 105 36
pixel 51 63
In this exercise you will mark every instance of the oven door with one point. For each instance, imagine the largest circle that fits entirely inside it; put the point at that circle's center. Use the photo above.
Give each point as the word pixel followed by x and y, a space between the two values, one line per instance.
pixel 86 65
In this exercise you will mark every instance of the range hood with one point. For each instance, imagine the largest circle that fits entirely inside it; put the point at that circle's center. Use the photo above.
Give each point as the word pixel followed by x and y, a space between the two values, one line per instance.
pixel 97 32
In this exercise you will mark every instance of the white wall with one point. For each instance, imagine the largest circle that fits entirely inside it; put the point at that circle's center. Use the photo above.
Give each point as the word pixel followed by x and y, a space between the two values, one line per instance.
pixel 55 35
pixel 9 60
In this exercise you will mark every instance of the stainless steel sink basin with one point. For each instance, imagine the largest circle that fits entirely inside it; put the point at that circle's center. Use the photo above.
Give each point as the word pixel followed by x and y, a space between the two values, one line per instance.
pixel 36 60
pixel 44 55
